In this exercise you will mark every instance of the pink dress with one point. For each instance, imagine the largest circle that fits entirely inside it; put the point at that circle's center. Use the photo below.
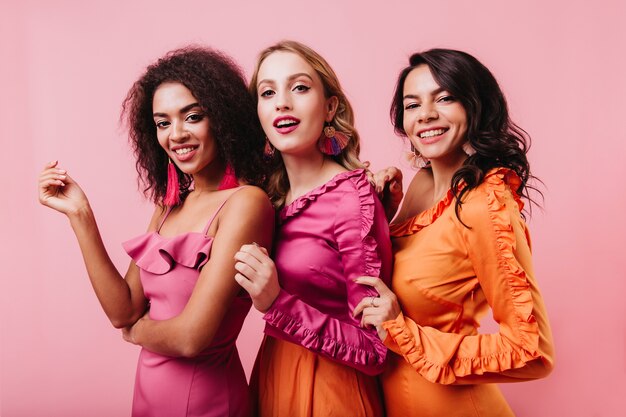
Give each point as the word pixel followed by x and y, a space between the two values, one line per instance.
pixel 211 384
pixel 316 359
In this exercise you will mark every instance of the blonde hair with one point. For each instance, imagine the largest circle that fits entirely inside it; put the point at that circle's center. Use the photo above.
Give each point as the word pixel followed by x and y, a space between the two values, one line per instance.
pixel 278 183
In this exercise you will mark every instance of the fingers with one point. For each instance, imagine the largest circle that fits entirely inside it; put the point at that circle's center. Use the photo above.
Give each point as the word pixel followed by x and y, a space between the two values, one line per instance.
pixel 385 177
pixel 51 164
pixel 244 282
pixel 375 283
pixel 258 252
pixel 245 269
pixel 253 260
pixel 361 306
pixel 51 175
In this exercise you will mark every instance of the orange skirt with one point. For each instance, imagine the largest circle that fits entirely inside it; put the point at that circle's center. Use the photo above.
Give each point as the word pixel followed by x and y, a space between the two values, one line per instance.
pixel 408 394
pixel 291 381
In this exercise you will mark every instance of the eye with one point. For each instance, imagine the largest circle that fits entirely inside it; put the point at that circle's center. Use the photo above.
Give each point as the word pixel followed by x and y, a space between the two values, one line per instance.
pixel 301 88
pixel 411 106
pixel 162 124
pixel 267 93
pixel 195 117
pixel 447 99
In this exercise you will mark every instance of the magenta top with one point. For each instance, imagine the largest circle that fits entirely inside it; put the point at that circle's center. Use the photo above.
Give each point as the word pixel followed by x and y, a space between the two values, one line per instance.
pixel 211 384
pixel 326 238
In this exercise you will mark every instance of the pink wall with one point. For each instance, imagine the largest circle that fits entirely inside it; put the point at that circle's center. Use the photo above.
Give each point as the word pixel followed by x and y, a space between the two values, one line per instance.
pixel 66 65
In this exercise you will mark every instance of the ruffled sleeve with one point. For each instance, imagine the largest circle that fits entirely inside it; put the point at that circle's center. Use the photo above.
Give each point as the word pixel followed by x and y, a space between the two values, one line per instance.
pixel 499 249
pixel 363 245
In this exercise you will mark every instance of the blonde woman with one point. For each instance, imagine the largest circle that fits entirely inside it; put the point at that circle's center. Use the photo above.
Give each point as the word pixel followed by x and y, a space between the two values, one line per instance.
pixel 316 359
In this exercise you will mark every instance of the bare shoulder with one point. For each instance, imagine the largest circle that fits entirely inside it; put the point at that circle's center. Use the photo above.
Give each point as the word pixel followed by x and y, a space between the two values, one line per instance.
pixel 419 188
pixel 250 200
pixel 422 182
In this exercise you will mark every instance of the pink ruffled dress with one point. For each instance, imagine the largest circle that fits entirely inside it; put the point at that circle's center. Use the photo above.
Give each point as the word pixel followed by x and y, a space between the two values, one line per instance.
pixel 211 384
pixel 316 359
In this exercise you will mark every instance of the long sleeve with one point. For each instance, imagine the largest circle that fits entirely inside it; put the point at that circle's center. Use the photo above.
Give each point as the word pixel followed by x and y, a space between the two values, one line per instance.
pixel 361 247
pixel 498 246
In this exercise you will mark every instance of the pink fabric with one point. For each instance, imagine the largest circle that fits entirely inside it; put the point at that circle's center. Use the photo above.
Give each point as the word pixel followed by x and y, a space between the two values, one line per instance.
pixel 210 385
pixel 326 239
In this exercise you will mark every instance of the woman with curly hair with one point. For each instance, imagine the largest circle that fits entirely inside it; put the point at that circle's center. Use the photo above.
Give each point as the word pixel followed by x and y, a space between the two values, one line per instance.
pixel 178 299
pixel 460 247
pixel 315 360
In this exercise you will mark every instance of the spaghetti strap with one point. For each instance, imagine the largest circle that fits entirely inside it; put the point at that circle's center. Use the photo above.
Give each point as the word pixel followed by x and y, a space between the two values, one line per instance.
pixel 167 213
pixel 210 222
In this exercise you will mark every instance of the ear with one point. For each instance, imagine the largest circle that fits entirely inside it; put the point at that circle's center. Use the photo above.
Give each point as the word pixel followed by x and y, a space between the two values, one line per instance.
pixel 331 107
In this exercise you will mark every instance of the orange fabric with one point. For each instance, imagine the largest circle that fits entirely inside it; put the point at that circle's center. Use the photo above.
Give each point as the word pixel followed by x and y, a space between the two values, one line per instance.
pixel 446 277
pixel 291 381
pixel 408 394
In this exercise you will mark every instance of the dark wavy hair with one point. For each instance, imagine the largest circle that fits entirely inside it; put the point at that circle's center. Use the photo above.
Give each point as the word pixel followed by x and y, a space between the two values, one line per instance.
pixel 219 86
pixel 497 140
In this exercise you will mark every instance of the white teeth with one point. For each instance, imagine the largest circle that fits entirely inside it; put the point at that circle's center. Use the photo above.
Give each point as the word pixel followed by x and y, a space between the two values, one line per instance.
pixel 183 151
pixel 431 133
pixel 285 122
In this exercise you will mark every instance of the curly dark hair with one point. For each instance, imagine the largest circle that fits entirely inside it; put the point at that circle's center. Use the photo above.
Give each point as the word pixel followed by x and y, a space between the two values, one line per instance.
pixel 219 85
pixel 497 140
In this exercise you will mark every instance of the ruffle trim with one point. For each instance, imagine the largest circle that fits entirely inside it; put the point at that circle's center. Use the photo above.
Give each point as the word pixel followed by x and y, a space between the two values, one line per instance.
pixel 158 255
pixel 423 219
pixel 428 217
pixel 367 205
pixel 443 373
pixel 497 184
pixel 303 201
pixel 328 346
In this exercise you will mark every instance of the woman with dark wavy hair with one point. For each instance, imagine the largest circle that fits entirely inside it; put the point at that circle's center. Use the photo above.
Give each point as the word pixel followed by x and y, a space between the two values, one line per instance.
pixel 196 137
pixel 460 247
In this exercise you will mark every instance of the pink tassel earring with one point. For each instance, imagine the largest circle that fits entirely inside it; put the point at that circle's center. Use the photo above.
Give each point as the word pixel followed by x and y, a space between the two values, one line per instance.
pixel 332 142
pixel 229 180
pixel 172 193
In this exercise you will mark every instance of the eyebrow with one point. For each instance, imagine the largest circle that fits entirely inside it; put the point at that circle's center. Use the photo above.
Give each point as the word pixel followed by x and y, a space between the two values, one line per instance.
pixel 183 110
pixel 291 77
pixel 434 93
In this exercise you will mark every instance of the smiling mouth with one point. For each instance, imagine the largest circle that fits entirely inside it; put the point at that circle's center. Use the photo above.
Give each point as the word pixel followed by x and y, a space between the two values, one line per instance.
pixel 432 133
pixel 184 151
pixel 286 122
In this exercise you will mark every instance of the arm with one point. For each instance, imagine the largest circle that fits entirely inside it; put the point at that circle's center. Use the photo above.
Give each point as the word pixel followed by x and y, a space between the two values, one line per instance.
pixel 121 297
pixel 247 217
pixel 342 340
pixel 499 250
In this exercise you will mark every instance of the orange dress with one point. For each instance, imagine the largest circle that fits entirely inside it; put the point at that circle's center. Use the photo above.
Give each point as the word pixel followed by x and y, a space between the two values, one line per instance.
pixel 446 276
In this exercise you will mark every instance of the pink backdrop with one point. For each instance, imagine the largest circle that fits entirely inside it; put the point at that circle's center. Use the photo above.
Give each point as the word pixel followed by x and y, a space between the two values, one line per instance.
pixel 66 65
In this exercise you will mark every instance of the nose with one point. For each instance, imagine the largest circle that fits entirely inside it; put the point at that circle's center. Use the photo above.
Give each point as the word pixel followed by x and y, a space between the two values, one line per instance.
pixel 178 132
pixel 427 113
pixel 283 101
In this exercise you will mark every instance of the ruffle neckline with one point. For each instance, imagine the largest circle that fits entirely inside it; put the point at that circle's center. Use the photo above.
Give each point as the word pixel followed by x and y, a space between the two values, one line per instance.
pixel 427 217
pixel 158 254
pixel 302 202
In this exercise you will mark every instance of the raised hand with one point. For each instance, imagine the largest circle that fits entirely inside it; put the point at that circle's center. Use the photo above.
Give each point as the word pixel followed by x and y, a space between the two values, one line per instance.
pixel 377 310
pixel 59 191
pixel 257 275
